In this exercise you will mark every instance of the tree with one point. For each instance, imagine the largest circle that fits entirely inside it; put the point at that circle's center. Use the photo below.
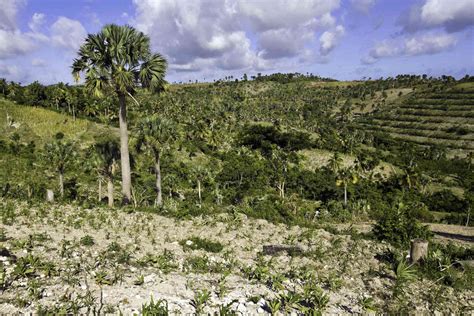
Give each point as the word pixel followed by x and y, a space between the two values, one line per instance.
pixel 344 175
pixel 59 154
pixel 119 59
pixel 107 152
pixel 155 135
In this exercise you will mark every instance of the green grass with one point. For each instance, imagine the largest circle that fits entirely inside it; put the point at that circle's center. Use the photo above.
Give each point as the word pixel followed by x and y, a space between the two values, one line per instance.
pixel 40 125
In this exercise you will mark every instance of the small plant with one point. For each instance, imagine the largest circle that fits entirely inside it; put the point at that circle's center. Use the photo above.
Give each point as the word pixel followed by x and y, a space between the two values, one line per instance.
pixel 139 280
pixel 404 274
pixel 367 304
pixel 87 240
pixel 222 285
pixel 290 300
pixel 164 262
pixel 152 308
pixel 226 309
pixel 274 306
pixel 101 278
pixel 200 300
pixel 314 297
pixel 195 243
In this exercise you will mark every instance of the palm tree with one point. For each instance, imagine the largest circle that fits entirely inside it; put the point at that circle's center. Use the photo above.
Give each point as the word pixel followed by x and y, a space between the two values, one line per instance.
pixel 155 135
pixel 107 152
pixel 118 59
pixel 59 154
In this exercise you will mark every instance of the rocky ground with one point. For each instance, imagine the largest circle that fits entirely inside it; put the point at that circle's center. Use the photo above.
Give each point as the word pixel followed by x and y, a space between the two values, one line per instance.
pixel 70 259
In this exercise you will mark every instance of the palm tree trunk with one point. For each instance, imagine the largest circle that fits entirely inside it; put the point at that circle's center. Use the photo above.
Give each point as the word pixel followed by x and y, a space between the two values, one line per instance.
pixel 110 191
pixel 468 215
pixel 159 198
pixel 345 194
pixel 61 184
pixel 100 189
pixel 199 191
pixel 124 154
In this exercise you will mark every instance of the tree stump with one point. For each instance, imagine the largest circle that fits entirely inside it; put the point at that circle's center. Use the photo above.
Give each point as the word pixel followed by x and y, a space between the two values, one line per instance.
pixel 419 250
pixel 49 195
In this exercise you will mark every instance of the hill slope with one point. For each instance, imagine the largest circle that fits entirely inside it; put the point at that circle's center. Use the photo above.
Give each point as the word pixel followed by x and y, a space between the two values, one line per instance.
pixel 40 124
pixel 430 118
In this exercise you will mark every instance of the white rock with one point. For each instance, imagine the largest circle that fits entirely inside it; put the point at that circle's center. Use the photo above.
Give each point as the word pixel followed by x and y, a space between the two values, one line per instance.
pixel 189 242
pixel 149 278
pixel 260 310
pixel 242 308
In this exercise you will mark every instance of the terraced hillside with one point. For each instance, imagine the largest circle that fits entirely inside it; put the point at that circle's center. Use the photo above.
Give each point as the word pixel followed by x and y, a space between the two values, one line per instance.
pixel 430 117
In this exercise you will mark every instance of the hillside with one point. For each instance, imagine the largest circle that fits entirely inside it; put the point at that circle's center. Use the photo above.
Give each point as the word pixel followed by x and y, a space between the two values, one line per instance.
pixel 220 170
pixel 39 125
pixel 430 117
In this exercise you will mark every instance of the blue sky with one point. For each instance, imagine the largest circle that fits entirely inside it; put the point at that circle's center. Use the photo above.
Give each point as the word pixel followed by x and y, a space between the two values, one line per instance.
pixel 209 39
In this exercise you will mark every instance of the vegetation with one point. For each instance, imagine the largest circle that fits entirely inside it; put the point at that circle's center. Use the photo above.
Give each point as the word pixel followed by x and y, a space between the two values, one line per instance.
pixel 235 157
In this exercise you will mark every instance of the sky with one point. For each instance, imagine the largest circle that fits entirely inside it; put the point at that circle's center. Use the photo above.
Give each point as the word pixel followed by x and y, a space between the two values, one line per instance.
pixel 210 39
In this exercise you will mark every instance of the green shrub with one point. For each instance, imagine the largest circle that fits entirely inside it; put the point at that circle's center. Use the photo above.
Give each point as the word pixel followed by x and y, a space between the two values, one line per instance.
pixel 195 243
pixel 445 201
pixel 399 225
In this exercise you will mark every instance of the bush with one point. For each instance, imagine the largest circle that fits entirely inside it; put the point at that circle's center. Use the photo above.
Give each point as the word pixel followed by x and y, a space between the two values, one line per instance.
pixel 445 201
pixel 195 243
pixel 400 225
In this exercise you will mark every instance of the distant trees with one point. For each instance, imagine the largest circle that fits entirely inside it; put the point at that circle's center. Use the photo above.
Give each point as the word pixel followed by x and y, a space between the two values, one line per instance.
pixel 118 59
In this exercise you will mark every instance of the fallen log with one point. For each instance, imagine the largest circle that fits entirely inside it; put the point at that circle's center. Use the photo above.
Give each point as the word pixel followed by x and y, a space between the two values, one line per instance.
pixel 275 249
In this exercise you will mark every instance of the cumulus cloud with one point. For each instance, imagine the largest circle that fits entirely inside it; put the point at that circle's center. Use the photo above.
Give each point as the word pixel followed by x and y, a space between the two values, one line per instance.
pixel 36 22
pixel 330 39
pixel 12 72
pixel 14 43
pixel 453 16
pixel 8 11
pixel 68 33
pixel 363 6
pixel 232 34
pixel 428 44
pixel 275 14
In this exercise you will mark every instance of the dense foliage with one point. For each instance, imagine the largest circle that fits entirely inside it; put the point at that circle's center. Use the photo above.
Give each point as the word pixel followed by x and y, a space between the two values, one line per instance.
pixel 288 148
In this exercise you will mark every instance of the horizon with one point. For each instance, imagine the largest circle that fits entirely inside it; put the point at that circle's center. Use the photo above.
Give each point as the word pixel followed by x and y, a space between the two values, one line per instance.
pixel 209 40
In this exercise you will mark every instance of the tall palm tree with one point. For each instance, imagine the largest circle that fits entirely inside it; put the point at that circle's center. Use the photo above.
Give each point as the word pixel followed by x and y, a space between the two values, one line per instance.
pixel 118 59
pixel 155 135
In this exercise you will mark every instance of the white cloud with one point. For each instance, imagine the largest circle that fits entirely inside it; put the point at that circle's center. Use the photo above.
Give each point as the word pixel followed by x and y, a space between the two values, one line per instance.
pixel 8 11
pixel 36 22
pixel 12 72
pixel 452 15
pixel 427 44
pixel 14 43
pixel 232 34
pixel 363 6
pixel 38 62
pixel 275 14
pixel 330 39
pixel 68 33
